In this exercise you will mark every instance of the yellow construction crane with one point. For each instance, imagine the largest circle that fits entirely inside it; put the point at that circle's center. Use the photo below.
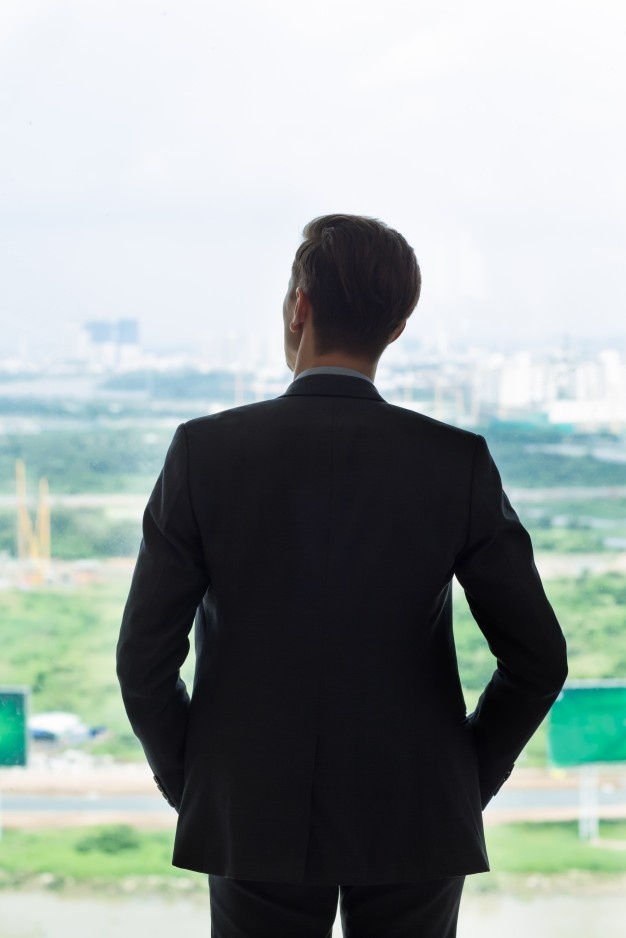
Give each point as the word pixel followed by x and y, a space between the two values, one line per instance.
pixel 33 540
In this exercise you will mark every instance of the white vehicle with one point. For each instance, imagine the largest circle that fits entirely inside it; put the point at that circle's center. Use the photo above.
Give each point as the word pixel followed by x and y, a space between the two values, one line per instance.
pixel 59 727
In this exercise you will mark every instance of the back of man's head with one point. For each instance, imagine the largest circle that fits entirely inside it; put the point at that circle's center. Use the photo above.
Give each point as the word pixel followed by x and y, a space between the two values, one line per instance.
pixel 362 279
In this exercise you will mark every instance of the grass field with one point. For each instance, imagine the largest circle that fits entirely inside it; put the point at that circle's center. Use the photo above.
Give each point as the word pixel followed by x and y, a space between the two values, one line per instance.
pixel 111 853
pixel 61 642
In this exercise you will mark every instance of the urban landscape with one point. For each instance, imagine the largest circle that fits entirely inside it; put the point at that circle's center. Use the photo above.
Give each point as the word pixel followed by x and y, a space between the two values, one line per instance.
pixel 83 440
pixel 84 437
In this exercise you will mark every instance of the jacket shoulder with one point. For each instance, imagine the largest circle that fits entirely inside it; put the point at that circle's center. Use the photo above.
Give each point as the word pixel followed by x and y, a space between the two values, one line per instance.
pixel 415 422
pixel 397 419
pixel 231 415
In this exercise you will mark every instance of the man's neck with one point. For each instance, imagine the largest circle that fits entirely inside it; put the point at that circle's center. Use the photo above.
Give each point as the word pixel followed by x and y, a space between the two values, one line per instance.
pixel 364 366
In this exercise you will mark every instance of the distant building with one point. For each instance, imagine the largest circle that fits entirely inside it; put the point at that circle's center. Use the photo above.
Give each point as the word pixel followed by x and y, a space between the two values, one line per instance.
pixel 99 331
pixel 128 332
pixel 110 343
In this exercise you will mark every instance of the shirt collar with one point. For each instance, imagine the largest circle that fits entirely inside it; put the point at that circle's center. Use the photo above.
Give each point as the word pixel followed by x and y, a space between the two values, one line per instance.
pixel 333 370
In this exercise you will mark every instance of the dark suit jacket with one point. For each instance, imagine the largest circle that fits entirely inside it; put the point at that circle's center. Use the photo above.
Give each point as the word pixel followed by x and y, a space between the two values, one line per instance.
pixel 317 536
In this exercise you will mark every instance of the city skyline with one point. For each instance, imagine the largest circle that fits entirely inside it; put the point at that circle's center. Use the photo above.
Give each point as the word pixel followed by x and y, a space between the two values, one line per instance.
pixel 560 386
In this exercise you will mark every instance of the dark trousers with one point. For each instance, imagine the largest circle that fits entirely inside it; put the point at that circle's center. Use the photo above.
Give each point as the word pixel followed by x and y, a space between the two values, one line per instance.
pixel 249 909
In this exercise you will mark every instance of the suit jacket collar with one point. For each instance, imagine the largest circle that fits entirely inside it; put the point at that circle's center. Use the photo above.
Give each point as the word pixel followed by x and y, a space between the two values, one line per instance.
pixel 332 386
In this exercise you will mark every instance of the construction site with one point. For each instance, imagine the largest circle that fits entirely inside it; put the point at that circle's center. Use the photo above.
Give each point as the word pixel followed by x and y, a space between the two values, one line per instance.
pixel 32 563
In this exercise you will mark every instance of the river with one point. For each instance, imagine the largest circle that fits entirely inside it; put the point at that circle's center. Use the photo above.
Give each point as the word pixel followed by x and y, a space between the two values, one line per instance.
pixel 26 914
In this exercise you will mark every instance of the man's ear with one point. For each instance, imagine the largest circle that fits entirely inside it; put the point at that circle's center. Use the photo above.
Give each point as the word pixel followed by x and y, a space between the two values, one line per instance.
pixel 397 332
pixel 301 311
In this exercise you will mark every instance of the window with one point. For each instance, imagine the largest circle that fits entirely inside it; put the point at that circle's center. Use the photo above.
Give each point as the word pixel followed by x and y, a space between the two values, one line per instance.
pixel 158 164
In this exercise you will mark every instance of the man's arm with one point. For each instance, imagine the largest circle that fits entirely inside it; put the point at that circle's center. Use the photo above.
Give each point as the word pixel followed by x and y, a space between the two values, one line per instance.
pixel 506 597
pixel 169 581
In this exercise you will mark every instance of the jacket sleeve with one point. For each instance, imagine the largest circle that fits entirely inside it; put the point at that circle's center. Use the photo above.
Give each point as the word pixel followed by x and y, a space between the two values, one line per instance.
pixel 497 571
pixel 169 581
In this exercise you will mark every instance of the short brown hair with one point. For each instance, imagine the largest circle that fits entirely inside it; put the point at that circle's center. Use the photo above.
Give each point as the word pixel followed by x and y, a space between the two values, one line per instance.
pixel 362 279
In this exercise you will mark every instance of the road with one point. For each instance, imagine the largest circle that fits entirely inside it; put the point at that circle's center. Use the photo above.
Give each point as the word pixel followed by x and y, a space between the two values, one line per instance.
pixel 134 502
pixel 532 797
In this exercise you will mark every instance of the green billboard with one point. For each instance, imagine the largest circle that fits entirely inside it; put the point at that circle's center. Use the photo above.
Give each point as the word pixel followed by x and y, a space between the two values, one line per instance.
pixel 588 723
pixel 13 725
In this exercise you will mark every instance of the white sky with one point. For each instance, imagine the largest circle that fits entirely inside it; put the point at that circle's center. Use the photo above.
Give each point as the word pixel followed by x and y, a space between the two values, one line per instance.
pixel 159 159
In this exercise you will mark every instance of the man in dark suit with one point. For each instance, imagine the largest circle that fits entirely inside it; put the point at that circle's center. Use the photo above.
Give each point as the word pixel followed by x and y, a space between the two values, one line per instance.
pixel 325 751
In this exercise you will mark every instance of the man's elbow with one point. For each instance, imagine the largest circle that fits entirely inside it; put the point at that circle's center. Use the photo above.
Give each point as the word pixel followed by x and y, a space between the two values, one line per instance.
pixel 556 673
pixel 562 675
pixel 128 668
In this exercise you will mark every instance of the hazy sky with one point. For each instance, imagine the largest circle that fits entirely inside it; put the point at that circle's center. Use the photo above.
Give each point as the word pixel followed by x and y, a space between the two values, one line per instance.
pixel 159 159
